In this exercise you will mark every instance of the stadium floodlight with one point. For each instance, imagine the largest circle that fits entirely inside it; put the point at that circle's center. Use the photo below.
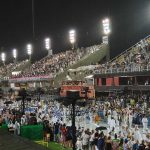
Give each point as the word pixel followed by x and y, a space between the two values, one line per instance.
pixel 29 50
pixel 47 43
pixel 72 37
pixel 3 57
pixel 48 46
pixel 106 26
pixel 14 53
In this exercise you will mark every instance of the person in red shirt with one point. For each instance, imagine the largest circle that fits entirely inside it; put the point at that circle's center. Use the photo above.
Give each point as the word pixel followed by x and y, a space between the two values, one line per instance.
pixel 63 134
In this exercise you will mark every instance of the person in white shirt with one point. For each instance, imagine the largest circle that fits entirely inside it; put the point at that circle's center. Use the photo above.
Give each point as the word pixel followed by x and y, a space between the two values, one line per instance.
pixel 23 120
pixel 137 134
pixel 17 128
pixel 91 140
pixel 145 123
pixel 109 118
pixel 85 140
pixel 130 120
pixel 79 144
pixel 112 124
pixel 115 114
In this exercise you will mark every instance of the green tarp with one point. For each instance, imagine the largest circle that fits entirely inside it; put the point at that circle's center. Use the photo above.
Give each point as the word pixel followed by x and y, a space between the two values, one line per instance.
pixel 4 126
pixel 32 132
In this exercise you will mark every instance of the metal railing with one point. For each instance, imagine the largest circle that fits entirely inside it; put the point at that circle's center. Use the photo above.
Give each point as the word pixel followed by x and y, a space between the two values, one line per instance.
pixel 125 70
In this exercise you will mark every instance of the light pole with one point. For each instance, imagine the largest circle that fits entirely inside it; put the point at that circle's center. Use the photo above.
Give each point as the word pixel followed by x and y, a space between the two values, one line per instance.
pixel 106 32
pixel 72 38
pixel 3 58
pixel 22 95
pixel 29 50
pixel 15 55
pixel 71 99
pixel 48 46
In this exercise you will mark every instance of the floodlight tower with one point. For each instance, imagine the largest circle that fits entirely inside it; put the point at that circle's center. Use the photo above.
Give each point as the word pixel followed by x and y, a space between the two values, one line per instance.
pixel 3 58
pixel 72 38
pixel 106 26
pixel 15 55
pixel 106 32
pixel 29 50
pixel 48 46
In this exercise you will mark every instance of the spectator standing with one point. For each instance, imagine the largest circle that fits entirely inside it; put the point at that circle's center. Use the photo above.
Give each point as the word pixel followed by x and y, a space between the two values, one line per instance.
pixel 56 131
pixel 63 131
pixel 85 140
pixel 145 123
pixel 101 142
pixel 108 145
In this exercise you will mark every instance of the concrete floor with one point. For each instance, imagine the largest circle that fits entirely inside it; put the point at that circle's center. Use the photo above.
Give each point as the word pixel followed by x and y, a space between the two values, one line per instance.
pixel 12 142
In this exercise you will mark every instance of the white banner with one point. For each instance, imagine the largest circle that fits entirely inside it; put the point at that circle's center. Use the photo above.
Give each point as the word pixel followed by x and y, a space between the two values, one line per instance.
pixel 37 78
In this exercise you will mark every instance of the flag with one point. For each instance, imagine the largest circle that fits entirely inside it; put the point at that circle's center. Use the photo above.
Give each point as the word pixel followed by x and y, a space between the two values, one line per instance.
pixel 57 114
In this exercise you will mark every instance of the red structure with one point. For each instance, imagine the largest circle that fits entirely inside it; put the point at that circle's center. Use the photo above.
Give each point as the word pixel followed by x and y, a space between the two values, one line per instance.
pixel 85 91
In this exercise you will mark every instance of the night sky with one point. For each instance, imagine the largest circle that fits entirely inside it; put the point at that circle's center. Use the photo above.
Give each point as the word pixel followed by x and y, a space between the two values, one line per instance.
pixel 130 22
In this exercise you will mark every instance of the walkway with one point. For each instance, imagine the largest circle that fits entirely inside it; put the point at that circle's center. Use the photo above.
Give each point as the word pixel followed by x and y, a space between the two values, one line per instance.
pixel 12 142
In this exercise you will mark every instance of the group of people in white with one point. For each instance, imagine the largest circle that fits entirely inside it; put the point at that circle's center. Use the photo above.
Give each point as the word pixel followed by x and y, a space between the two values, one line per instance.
pixel 112 114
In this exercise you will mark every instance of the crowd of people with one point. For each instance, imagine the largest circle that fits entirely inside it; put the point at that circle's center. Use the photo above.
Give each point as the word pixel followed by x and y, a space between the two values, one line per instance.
pixel 136 58
pixel 57 63
pixel 114 122
pixel 6 70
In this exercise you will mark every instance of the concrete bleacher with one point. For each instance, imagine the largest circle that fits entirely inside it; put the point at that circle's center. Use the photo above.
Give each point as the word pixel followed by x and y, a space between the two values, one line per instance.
pixel 134 59
pixel 22 67
pixel 57 65
pixel 92 58
pixel 133 49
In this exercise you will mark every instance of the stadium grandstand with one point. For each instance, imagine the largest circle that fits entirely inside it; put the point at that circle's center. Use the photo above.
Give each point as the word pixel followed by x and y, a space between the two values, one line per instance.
pixel 79 63
pixel 53 66
pixel 134 59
